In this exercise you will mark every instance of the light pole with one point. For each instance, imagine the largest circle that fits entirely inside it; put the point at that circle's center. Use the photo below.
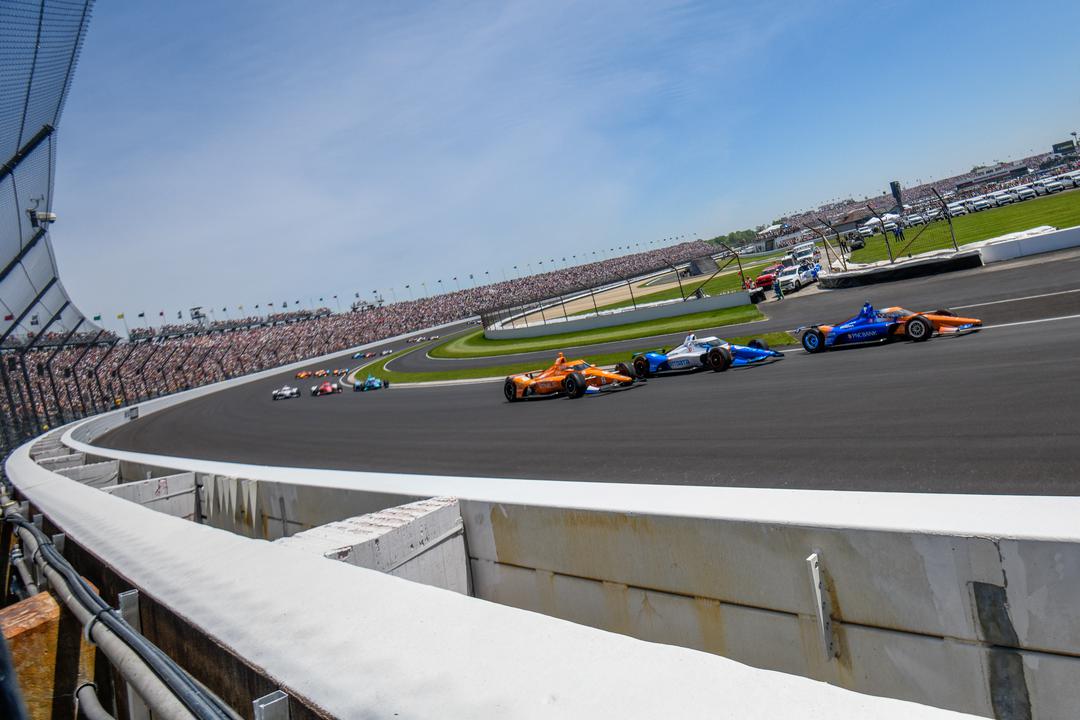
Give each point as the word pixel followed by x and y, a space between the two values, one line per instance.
pixel 457 283
pixel 424 285
pixel 409 288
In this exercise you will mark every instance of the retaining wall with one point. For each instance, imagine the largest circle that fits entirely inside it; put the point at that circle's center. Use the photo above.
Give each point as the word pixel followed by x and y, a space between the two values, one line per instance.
pixel 1020 247
pixel 623 317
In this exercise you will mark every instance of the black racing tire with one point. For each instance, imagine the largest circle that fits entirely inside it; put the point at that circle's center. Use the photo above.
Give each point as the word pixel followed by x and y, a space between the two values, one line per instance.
pixel 919 329
pixel 719 359
pixel 386 384
pixel 510 391
pixel 624 369
pixel 641 366
pixel 943 311
pixel 813 341
pixel 759 344
pixel 575 385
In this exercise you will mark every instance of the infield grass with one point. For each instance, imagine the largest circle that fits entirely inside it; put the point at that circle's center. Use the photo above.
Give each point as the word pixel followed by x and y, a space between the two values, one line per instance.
pixel 378 368
pixel 1061 210
pixel 474 344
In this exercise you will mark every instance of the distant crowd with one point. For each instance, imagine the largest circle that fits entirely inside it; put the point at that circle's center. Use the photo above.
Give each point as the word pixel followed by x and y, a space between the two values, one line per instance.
pixel 54 383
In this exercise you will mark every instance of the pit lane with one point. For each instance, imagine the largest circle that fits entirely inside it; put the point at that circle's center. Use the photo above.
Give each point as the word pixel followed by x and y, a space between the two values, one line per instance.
pixel 991 412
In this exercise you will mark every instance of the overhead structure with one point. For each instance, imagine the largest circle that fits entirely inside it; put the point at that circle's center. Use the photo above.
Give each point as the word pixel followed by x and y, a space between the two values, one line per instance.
pixel 39 49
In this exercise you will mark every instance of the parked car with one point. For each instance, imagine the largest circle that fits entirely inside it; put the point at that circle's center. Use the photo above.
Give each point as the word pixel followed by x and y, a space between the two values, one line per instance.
pixel 794 278
pixel 1025 192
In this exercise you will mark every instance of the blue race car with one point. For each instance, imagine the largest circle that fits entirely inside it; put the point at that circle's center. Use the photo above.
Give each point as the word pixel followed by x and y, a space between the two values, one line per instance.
pixel 711 352
pixel 892 323
pixel 372 383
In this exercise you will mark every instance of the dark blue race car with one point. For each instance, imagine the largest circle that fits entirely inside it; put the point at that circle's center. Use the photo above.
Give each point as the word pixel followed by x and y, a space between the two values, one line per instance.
pixel 892 323
pixel 372 383
pixel 710 352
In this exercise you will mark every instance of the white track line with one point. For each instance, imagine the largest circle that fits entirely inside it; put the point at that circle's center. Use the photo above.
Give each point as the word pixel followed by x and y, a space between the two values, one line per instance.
pixel 1031 322
pixel 1009 300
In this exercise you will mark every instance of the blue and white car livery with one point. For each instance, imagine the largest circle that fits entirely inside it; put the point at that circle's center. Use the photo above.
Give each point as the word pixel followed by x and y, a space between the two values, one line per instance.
pixel 696 353
pixel 371 383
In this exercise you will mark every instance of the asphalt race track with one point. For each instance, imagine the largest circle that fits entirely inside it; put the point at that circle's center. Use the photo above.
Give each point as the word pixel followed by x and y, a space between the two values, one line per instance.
pixel 996 411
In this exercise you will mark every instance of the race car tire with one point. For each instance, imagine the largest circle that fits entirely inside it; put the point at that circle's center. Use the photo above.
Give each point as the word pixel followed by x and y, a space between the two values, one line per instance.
pixel 759 344
pixel 919 329
pixel 623 369
pixel 943 311
pixel 575 385
pixel 641 367
pixel 510 391
pixel 386 384
pixel 813 341
pixel 719 359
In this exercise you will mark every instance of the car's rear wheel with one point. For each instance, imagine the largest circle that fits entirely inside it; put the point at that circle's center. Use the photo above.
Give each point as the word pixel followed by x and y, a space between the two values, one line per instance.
pixel 641 367
pixel 575 385
pixel 385 384
pixel 624 369
pixel 919 329
pixel 759 344
pixel 719 359
pixel 510 391
pixel 798 285
pixel 813 341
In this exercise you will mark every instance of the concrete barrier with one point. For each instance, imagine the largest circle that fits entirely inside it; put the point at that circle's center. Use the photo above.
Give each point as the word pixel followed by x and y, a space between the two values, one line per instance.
pixel 623 317
pixel 961 602
pixel 902 270
pixel 421 541
pixel 214 597
pixel 1010 248
pixel 171 494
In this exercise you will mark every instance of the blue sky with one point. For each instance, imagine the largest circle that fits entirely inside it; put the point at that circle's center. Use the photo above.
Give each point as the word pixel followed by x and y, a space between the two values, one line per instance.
pixel 238 153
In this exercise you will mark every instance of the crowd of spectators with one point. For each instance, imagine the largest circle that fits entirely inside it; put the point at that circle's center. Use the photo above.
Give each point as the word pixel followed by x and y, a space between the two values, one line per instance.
pixel 48 385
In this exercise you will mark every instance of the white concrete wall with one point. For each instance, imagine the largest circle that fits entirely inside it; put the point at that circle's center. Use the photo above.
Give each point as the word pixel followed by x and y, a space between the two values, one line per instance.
pixel 99 474
pixel 173 494
pixel 591 322
pixel 421 541
pixel 998 251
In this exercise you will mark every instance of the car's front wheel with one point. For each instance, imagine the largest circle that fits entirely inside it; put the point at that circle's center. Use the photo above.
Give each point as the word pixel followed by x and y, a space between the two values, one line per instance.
pixel 575 385
pixel 641 367
pixel 623 369
pixel 919 329
pixel 719 359
pixel 813 341
pixel 759 344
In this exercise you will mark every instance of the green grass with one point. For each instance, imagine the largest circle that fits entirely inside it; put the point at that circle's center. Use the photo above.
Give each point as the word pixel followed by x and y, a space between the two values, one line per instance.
pixel 474 344
pixel 1058 210
pixel 378 368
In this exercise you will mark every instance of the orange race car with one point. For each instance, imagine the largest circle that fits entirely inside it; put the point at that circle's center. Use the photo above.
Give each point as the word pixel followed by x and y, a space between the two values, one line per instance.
pixel 892 323
pixel 322 373
pixel 303 374
pixel 572 378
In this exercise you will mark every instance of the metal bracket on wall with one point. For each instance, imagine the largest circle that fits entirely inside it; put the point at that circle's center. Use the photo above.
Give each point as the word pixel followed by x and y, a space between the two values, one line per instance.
pixel 822 604
pixel 129 611
pixel 274 706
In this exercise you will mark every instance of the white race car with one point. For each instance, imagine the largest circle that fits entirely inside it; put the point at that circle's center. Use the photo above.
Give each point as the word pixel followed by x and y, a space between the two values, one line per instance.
pixel 285 392
pixel 387 352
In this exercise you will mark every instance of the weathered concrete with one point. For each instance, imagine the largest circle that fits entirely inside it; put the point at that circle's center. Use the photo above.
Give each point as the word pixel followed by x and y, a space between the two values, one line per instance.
pixel 171 494
pixel 99 474
pixel 421 541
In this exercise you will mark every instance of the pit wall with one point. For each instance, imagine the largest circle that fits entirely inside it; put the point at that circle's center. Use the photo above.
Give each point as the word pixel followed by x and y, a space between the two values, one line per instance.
pixel 626 317
pixel 960 602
